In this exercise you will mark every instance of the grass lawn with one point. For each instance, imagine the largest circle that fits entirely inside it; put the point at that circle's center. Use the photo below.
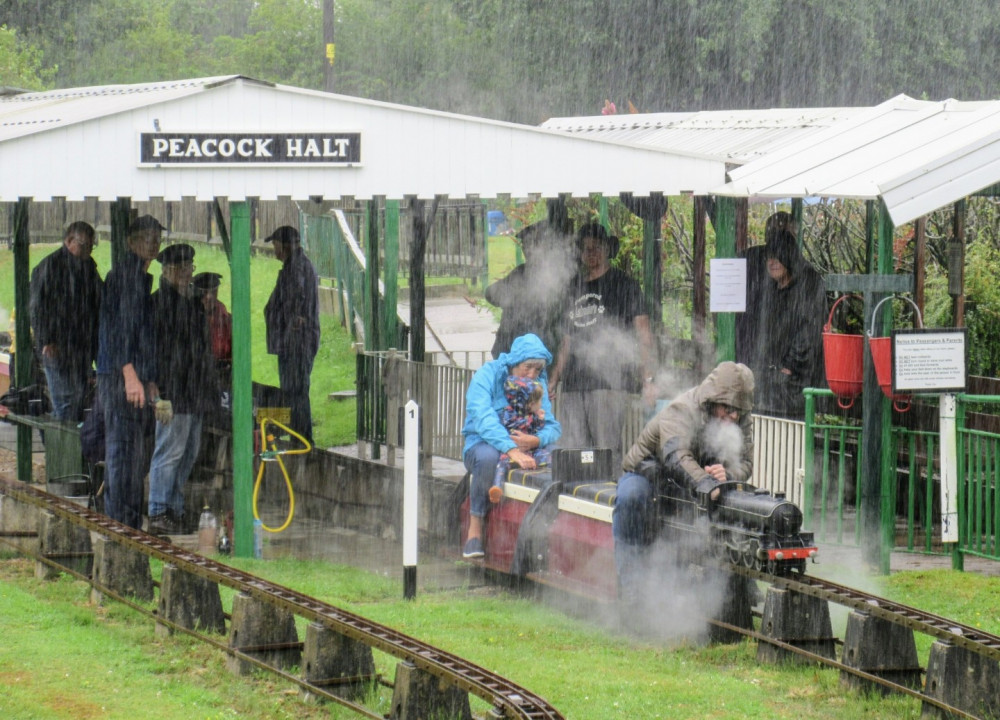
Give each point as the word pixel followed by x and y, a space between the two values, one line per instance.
pixel 61 657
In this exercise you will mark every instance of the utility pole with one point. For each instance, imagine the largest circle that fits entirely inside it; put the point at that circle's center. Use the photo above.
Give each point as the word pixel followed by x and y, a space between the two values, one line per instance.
pixel 328 45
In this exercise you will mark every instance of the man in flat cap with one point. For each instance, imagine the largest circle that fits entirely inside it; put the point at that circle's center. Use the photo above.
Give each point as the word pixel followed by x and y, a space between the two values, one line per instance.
pixel 186 378
pixel 292 319
pixel 126 372
pixel 220 322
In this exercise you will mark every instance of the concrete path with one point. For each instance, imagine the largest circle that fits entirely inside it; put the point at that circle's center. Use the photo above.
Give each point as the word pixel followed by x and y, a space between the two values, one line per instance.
pixel 458 328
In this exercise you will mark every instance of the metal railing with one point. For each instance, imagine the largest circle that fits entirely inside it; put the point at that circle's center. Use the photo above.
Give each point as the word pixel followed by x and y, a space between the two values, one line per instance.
pixel 979 482
pixel 336 253
pixel 833 505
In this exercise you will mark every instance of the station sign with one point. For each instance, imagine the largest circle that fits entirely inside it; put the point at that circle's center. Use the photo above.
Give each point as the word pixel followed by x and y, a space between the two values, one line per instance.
pixel 255 148
pixel 927 360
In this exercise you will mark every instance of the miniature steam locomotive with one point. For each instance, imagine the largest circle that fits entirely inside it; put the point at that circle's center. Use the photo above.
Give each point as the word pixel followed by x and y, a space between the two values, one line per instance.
pixel 553 526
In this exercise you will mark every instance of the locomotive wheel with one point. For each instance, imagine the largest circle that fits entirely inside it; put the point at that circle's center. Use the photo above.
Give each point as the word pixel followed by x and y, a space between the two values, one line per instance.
pixel 750 555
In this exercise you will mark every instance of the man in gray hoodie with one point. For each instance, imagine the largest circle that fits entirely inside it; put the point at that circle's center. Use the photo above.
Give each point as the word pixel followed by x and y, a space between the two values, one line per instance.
pixel 682 441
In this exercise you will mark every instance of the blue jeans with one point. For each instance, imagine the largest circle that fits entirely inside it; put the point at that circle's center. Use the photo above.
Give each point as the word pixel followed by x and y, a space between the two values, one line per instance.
pixel 481 461
pixel 128 446
pixel 177 445
pixel 67 386
pixel 632 526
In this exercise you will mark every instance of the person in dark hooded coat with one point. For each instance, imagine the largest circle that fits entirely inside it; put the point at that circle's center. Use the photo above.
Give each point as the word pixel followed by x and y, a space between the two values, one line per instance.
pixel 786 352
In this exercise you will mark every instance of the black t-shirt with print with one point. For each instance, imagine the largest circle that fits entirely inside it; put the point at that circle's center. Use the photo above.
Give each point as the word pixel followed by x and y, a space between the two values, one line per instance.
pixel 603 343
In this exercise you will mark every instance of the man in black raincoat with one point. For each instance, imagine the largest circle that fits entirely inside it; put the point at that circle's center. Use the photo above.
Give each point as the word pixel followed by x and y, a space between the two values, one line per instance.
pixel 785 349
pixel 292 319
pixel 65 312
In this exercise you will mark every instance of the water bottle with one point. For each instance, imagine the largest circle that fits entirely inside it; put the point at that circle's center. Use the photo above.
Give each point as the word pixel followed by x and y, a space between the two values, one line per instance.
pixel 208 528
pixel 258 538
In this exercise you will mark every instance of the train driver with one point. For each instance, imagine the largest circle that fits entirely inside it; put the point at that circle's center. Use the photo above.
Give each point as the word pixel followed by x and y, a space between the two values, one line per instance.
pixel 486 437
pixel 703 437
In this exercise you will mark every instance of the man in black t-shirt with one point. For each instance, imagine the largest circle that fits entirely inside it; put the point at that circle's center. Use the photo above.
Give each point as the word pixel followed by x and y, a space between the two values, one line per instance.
pixel 606 346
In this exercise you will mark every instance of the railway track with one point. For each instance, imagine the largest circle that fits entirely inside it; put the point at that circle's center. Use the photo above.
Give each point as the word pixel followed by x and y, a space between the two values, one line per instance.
pixel 972 639
pixel 965 636
pixel 508 700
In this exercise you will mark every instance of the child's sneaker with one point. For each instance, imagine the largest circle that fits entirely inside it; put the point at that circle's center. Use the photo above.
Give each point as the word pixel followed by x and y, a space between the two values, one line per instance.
pixel 473 548
pixel 496 494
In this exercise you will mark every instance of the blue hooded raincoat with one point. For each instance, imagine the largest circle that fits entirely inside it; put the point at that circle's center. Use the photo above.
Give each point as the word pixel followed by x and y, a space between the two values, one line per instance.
pixel 485 398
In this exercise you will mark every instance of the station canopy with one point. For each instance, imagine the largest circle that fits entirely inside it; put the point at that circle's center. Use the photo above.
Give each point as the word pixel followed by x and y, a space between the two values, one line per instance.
pixel 917 155
pixel 240 138
pixel 733 136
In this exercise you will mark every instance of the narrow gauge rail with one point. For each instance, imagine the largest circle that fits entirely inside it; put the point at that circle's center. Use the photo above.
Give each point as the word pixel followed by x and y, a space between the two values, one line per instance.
pixel 965 636
pixel 508 699
pixel 828 662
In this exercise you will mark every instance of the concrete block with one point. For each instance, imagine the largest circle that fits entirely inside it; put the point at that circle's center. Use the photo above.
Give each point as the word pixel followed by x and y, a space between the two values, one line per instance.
pixel 798 620
pixel 19 525
pixel 66 544
pixel 880 648
pixel 336 663
pixel 736 609
pixel 264 632
pixel 189 601
pixel 122 570
pixel 962 679
pixel 417 695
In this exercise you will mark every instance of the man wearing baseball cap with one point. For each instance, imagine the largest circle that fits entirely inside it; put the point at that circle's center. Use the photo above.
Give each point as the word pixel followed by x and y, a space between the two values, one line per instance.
pixel 126 372
pixel 292 319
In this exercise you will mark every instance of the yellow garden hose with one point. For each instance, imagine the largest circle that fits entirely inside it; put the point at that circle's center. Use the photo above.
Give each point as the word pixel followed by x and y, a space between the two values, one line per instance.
pixel 273 455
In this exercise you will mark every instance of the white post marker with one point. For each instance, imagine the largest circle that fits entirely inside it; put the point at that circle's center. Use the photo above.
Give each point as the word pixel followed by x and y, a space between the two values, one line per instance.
pixel 411 467
pixel 949 469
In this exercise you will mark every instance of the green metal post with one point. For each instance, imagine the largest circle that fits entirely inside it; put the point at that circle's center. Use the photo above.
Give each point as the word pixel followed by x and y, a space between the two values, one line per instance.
pixel 242 400
pixel 22 327
pixel 485 235
pixel 725 247
pixel 602 209
pixel 887 461
pixel 957 558
pixel 371 304
pixel 121 216
pixel 809 474
pixel 391 280
pixel 797 219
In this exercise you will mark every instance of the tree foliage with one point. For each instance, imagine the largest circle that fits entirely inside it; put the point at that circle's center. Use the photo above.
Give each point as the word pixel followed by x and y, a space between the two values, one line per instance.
pixel 525 60
pixel 21 63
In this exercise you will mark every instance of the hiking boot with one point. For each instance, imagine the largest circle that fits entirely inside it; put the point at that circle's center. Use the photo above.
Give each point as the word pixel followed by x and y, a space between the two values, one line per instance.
pixel 160 525
pixel 473 549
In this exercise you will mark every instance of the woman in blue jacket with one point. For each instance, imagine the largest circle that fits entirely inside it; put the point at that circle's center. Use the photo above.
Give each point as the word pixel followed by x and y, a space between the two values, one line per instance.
pixel 485 436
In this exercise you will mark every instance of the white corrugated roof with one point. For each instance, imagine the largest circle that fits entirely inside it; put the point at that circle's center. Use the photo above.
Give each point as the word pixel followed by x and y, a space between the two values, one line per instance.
pixel 94 133
pixel 736 136
pixel 917 155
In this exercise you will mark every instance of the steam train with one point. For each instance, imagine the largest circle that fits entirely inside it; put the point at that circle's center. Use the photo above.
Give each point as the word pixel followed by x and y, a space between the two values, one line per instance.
pixel 553 525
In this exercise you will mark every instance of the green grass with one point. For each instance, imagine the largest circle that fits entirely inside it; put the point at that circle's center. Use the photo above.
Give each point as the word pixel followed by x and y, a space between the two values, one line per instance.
pixel 334 422
pixel 63 658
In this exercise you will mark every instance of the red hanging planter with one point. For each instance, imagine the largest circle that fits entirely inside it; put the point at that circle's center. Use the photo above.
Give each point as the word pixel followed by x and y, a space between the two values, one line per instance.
pixel 881 349
pixel 844 360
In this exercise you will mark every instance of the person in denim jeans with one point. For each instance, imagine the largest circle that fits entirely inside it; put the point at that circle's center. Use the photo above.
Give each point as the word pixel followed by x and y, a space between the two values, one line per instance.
pixel 126 372
pixel 65 309
pixel 186 379
pixel 486 438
